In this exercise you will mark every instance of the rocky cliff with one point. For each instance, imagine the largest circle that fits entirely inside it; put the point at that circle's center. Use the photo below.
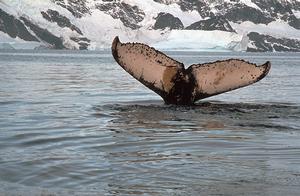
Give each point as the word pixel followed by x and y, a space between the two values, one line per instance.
pixel 254 25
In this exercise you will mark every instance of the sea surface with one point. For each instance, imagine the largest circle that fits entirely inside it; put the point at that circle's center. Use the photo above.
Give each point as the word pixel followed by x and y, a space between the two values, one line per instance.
pixel 75 123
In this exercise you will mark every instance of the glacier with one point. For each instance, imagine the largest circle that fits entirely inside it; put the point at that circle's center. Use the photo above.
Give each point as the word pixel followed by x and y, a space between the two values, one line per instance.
pixel 202 41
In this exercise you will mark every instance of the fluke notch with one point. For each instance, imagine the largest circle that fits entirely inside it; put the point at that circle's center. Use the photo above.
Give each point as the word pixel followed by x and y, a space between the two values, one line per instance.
pixel 177 85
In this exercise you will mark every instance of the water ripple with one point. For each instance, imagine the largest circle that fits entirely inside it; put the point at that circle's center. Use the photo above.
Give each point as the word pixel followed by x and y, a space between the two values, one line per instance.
pixel 85 127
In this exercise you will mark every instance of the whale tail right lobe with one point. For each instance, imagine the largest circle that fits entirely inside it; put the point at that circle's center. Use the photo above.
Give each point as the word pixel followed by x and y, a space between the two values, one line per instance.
pixel 223 76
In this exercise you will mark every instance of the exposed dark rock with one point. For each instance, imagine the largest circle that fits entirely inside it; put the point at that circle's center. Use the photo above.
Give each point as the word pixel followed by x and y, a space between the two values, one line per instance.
pixel 294 4
pixel 44 34
pixel 281 10
pixel 293 21
pixel 241 13
pixel 203 9
pixel 82 41
pixel 273 7
pixel 77 7
pixel 166 20
pixel 235 11
pixel 166 2
pixel 190 5
pixel 214 23
pixel 266 43
pixel 62 21
pixel 129 15
pixel 217 15
pixel 14 27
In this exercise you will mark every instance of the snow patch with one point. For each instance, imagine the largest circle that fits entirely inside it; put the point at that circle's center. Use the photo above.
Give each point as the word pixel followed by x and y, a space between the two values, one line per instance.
pixel 103 31
pixel 277 29
pixel 6 42
pixel 101 28
pixel 249 3
pixel 25 8
pixel 152 9
pixel 297 13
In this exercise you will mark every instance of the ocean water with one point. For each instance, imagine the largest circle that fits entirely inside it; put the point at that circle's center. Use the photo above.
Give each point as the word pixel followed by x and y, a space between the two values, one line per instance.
pixel 75 123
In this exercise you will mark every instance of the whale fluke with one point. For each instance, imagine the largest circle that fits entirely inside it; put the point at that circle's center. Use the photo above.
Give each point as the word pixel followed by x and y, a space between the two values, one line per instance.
pixel 177 85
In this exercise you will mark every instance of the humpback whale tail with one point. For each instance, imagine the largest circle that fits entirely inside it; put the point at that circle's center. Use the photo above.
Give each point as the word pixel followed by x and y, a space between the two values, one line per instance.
pixel 177 85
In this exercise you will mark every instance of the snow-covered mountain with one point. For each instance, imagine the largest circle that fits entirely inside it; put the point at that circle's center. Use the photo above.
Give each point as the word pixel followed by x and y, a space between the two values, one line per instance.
pixel 239 25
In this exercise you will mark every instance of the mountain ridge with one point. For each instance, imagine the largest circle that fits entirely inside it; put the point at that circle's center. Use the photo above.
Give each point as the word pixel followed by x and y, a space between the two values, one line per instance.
pixel 239 25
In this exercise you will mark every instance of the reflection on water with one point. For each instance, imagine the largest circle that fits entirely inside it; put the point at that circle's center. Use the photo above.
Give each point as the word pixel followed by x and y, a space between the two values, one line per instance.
pixel 203 116
pixel 213 148
pixel 80 125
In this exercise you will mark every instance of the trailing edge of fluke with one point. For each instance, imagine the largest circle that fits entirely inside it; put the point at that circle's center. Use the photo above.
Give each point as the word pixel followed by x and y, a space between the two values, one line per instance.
pixel 177 85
